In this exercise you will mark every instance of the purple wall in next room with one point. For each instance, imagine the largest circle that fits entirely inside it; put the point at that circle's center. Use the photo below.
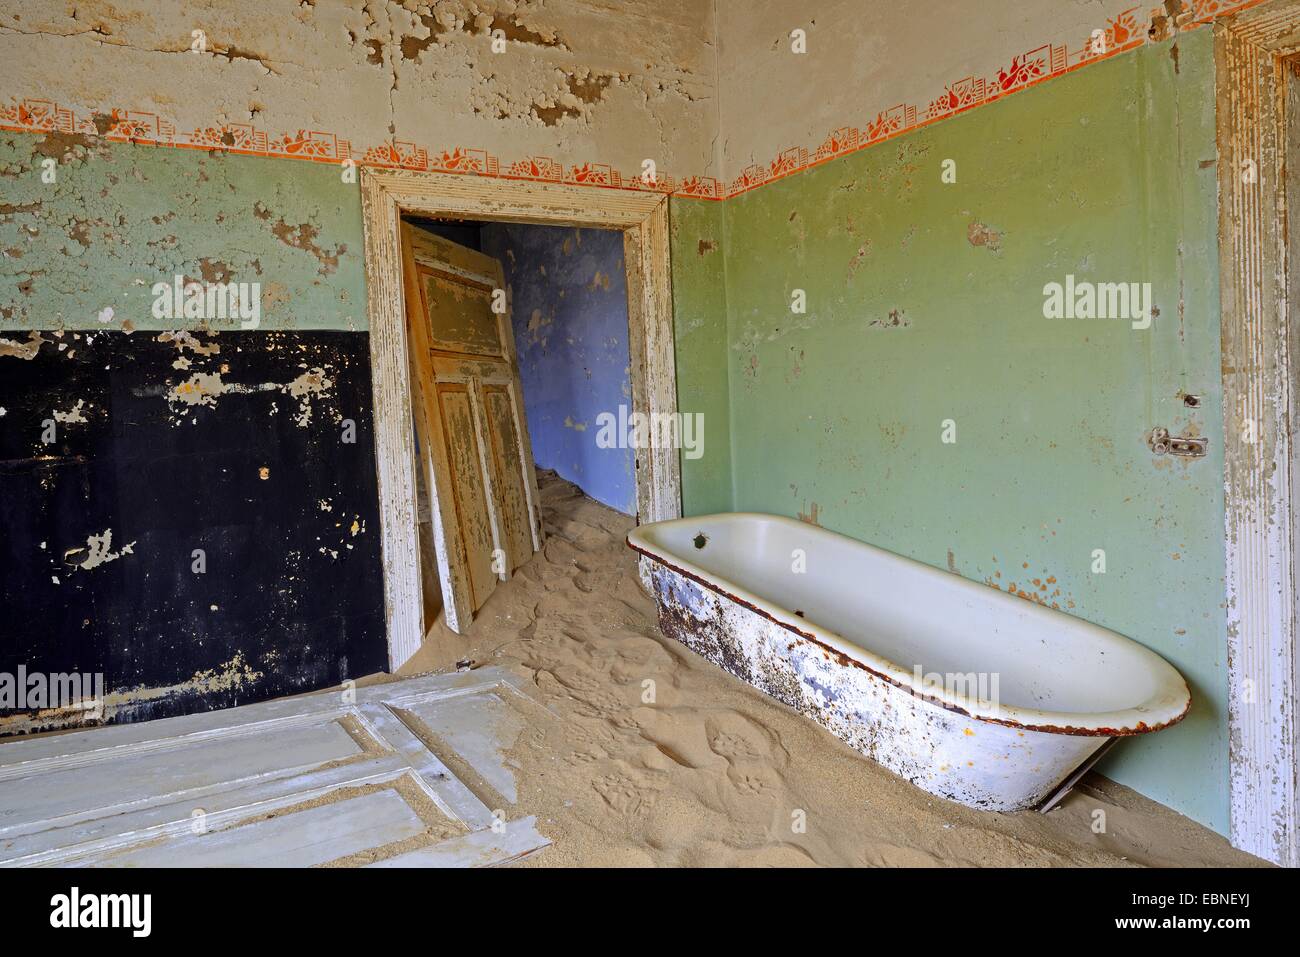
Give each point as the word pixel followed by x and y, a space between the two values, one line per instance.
pixel 569 307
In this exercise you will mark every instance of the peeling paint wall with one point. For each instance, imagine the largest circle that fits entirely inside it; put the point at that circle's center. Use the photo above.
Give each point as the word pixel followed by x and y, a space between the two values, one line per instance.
pixel 671 97
pixel 925 305
pixel 84 251
pixel 575 83
pixel 190 507
pixel 568 294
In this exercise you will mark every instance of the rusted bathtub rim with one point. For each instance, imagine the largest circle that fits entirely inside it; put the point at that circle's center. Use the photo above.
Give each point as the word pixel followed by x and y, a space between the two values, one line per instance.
pixel 845 659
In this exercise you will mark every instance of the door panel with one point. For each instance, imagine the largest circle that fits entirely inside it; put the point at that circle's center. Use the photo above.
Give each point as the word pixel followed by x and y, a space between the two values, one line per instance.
pixel 512 498
pixel 472 433
pixel 375 778
pixel 464 457
pixel 460 314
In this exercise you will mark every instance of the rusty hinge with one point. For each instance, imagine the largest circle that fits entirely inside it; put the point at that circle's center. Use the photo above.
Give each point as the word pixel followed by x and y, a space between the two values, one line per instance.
pixel 1162 443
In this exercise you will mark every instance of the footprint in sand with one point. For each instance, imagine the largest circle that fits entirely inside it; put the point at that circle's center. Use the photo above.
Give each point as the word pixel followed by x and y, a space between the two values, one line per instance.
pixel 559 552
pixel 738 738
pixel 679 733
pixel 625 721
pixel 622 794
pixel 634 674
pixel 594 734
pixel 733 747
pixel 751 784
pixel 595 698
pixel 637 651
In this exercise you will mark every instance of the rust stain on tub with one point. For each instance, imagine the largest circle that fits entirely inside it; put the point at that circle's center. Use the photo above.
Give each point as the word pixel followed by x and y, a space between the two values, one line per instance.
pixel 882 719
pixel 678 617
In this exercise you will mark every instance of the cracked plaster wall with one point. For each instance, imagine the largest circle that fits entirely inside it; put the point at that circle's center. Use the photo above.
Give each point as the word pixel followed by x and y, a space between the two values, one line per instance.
pixel 578 82
pixel 85 251
pixel 702 87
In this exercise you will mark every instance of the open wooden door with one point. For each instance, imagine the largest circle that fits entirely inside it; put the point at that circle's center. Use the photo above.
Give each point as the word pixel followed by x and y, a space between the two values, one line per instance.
pixel 469 410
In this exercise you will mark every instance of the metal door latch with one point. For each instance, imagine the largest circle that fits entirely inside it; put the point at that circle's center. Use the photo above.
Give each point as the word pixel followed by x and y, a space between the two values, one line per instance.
pixel 1162 443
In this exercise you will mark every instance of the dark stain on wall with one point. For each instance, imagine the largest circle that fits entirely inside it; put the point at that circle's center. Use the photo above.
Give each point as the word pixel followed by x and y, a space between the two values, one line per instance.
pixel 105 525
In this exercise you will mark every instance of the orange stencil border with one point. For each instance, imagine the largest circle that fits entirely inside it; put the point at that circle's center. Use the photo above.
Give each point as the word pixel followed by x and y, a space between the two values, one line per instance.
pixel 321 146
pixel 1122 33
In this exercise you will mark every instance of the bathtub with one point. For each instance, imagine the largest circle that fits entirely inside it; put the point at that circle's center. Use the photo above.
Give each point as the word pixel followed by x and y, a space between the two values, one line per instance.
pixel 971 693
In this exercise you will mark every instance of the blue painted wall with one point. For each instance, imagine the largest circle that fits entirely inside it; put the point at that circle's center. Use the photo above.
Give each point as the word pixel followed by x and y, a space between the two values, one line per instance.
pixel 569 306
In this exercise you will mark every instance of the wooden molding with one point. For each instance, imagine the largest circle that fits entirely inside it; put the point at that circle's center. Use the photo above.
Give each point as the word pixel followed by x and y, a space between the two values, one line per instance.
pixel 1259 407
pixel 643 219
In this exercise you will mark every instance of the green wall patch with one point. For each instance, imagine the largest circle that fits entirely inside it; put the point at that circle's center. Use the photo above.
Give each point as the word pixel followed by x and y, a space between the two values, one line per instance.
pixel 89 228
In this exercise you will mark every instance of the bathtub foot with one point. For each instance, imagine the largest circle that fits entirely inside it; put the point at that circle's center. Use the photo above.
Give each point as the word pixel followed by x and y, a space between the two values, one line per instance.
pixel 1068 784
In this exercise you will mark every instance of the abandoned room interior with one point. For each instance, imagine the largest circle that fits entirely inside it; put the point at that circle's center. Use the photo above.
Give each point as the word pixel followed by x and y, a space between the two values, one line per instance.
pixel 665 433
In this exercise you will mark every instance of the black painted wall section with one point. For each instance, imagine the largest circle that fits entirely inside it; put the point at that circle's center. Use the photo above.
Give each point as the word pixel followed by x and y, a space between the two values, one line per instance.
pixel 231 444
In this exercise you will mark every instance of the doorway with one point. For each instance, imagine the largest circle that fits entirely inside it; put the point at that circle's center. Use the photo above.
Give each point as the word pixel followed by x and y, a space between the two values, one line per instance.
pixel 641 217
pixel 567 290
pixel 476 487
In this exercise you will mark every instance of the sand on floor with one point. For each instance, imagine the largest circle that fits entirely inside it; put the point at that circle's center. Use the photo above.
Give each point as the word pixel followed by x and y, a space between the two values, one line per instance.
pixel 652 756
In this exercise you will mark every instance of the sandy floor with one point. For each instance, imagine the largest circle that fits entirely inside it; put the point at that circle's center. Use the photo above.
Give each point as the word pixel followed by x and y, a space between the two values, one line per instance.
pixel 715 773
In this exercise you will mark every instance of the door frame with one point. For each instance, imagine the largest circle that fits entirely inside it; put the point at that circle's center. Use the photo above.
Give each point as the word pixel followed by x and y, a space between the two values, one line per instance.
pixel 1261 357
pixel 643 219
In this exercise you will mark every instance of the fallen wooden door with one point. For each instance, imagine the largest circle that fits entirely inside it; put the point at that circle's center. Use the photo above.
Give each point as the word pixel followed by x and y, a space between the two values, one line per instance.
pixel 363 779
pixel 473 437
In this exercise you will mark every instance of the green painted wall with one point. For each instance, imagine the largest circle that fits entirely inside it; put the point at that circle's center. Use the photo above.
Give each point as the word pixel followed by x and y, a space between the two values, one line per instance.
pixel 119 218
pixel 700 332
pixel 925 303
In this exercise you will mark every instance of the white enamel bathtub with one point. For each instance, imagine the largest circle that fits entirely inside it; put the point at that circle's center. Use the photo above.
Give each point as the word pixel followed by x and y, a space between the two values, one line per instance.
pixel 968 692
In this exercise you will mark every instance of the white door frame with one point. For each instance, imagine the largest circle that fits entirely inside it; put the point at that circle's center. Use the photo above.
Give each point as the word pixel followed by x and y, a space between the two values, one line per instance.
pixel 643 219
pixel 1261 358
